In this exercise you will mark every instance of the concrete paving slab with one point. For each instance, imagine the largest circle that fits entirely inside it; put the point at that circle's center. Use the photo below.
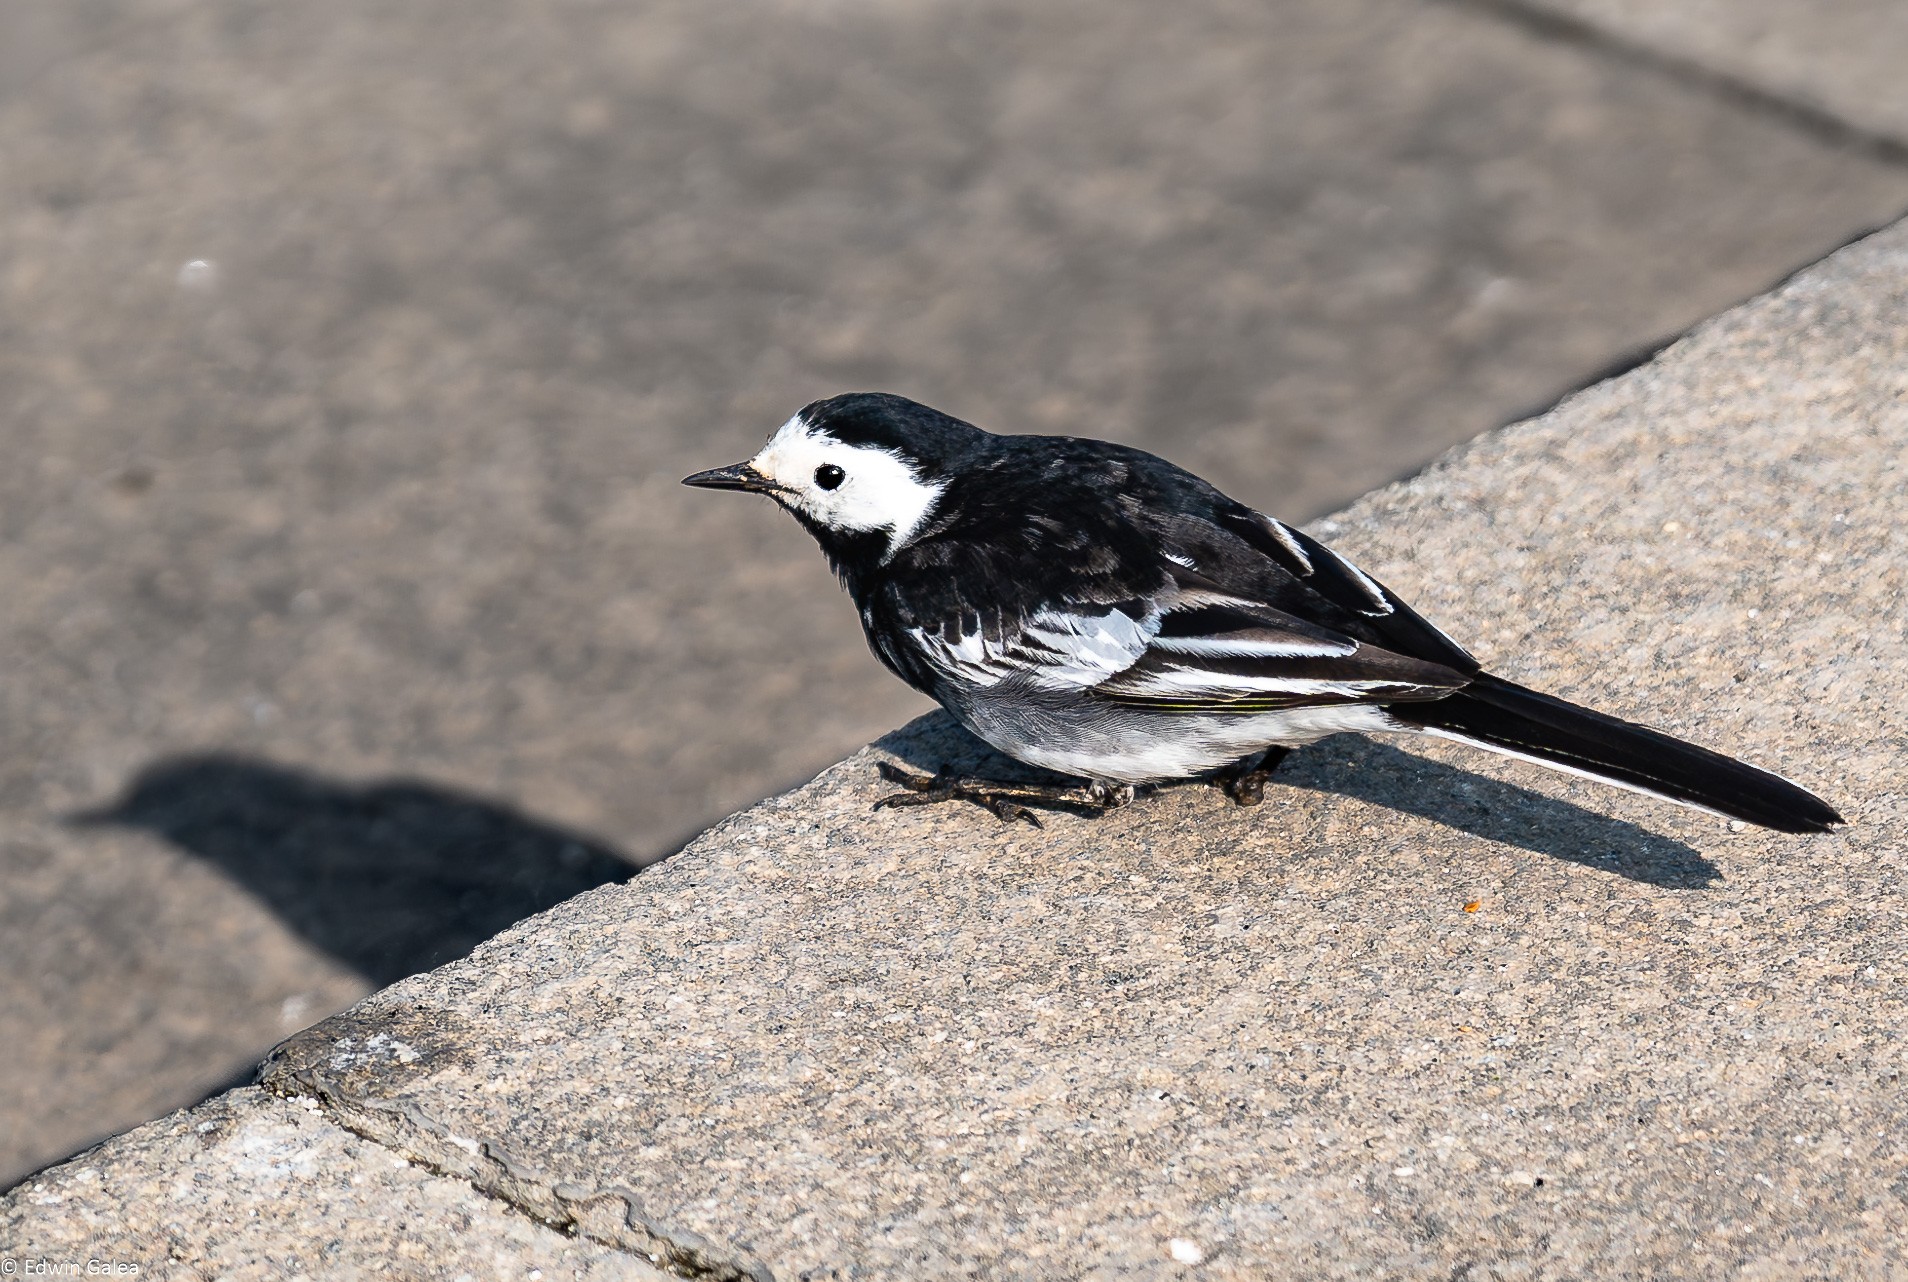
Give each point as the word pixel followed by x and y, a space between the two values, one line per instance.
pixel 1422 1014
pixel 1841 57
pixel 252 1186
pixel 349 356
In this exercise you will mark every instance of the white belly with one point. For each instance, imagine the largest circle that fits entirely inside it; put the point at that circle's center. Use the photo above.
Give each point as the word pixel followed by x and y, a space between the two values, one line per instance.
pixel 1126 745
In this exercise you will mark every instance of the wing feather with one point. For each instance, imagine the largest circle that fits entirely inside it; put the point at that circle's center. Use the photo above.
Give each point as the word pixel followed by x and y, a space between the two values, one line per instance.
pixel 1337 580
pixel 1191 646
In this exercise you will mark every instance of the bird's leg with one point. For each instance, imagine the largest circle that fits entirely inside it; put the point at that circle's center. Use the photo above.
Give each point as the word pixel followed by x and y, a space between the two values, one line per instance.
pixel 1000 797
pixel 1244 781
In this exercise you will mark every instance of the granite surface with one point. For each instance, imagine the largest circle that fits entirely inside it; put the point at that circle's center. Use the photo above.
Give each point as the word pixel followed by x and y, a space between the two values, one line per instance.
pixel 251 1186
pixel 1423 1014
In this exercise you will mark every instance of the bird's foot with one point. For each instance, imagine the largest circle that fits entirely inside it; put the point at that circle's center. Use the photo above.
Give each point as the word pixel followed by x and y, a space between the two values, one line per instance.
pixel 1003 798
pixel 1245 781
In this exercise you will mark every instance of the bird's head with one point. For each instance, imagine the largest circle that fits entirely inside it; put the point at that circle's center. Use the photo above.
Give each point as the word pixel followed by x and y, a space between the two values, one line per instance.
pixel 862 472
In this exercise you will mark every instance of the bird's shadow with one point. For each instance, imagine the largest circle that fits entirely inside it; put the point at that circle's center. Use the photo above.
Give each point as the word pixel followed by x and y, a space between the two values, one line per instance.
pixel 391 878
pixel 399 876
pixel 1370 771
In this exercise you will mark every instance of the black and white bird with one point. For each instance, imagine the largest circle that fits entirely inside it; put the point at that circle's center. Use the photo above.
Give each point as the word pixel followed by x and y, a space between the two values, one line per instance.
pixel 1095 611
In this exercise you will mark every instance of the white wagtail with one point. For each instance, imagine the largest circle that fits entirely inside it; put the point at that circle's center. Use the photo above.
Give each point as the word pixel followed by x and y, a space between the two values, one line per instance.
pixel 1095 611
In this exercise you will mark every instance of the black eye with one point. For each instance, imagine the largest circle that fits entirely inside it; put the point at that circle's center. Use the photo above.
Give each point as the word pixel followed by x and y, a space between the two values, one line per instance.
pixel 828 476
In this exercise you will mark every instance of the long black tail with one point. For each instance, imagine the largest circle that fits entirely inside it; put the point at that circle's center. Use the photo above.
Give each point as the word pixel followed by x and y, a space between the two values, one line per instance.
pixel 1505 717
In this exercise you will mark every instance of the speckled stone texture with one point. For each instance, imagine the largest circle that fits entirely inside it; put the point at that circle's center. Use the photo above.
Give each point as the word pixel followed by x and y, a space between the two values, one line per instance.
pixel 1421 1015
pixel 254 1187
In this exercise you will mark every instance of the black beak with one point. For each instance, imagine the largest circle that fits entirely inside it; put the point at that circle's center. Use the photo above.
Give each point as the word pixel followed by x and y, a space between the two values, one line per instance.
pixel 740 476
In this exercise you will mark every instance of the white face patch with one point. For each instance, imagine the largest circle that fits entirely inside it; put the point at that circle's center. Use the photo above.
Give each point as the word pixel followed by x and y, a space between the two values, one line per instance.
pixel 877 489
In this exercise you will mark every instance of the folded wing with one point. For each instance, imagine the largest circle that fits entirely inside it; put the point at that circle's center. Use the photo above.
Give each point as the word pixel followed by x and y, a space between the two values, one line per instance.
pixel 1322 576
pixel 1212 651
pixel 1191 646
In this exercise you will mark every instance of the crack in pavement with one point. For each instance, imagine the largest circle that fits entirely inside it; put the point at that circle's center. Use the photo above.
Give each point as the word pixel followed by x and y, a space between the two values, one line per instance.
pixel 611 1216
pixel 1816 121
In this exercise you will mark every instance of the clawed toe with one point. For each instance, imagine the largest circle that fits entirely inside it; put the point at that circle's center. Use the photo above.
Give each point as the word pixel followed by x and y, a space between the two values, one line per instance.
pixel 1246 787
pixel 1006 811
pixel 1000 798
pixel 914 783
pixel 897 800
